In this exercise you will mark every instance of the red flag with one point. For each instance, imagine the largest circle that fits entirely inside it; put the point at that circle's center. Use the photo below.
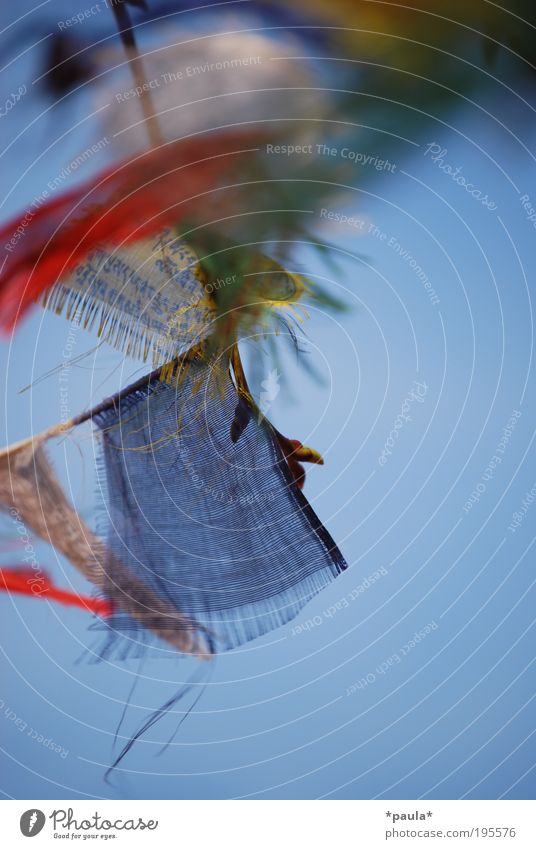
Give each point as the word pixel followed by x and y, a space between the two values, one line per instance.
pixel 40 585
pixel 133 199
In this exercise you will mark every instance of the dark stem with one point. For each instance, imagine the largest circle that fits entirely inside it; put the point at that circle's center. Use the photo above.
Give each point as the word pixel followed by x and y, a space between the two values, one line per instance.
pixel 126 34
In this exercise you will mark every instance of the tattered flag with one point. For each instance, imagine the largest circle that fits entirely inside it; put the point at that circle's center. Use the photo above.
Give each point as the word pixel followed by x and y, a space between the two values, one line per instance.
pixel 205 514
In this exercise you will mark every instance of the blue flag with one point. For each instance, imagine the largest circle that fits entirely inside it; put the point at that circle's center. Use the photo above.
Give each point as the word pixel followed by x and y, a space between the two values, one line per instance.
pixel 203 511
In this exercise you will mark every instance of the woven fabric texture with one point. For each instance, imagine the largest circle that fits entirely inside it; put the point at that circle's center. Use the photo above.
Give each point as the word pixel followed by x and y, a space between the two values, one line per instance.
pixel 201 508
